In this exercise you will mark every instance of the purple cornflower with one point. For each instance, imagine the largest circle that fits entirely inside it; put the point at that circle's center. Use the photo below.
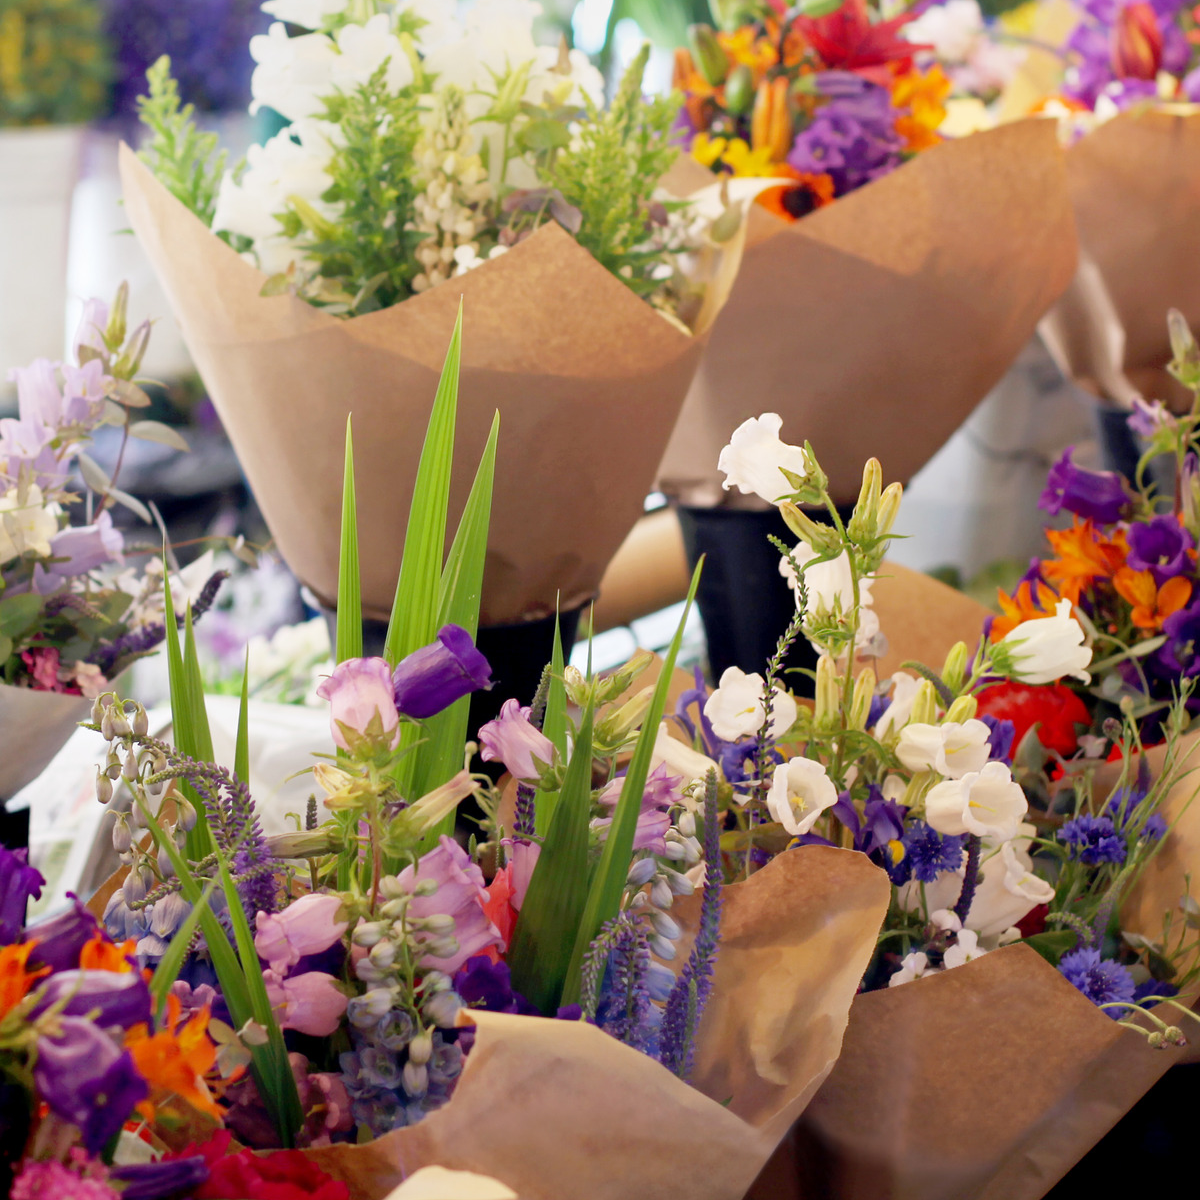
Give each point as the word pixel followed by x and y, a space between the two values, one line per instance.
pixel 1093 840
pixel 19 882
pixel 930 853
pixel 1101 496
pixel 1101 980
pixel 852 138
pixel 685 1004
pixel 1161 547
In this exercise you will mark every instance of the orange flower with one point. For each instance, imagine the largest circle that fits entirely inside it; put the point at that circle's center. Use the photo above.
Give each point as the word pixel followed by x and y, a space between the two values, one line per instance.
pixel 1084 555
pixel 1025 604
pixel 103 954
pixel 792 201
pixel 744 49
pixel 15 978
pixel 1151 604
pixel 175 1060
pixel 922 93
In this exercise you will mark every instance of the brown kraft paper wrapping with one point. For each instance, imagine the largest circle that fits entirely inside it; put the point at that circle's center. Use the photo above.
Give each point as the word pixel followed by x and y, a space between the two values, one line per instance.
pixel 877 323
pixel 588 380
pixel 560 1111
pixel 1135 186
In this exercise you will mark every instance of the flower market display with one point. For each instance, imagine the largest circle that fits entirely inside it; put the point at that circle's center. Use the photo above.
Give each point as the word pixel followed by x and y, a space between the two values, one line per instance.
pixel 73 613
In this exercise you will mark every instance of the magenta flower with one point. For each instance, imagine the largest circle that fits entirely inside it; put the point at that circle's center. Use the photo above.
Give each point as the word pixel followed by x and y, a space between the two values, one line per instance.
pixel 516 742
pixel 460 894
pixel 361 703
pixel 662 790
pixel 307 926
pixel 432 678
pixel 19 882
pixel 87 1080
pixel 310 1003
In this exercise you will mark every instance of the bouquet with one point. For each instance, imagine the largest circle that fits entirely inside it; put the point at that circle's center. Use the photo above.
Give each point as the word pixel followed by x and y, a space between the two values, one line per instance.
pixel 429 159
pixel 1015 876
pixel 369 984
pixel 825 116
pixel 71 619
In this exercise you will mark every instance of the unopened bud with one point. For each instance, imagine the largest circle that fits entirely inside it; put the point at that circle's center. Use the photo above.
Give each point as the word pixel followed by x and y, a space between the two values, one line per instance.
pixel 383 954
pixel 664 926
pixel 963 709
pixel 420 1049
pixel 618 725
pixel 100 703
pixel 821 538
pixel 707 54
pixel 660 893
pixel 437 923
pixel 693 852
pixel 739 90
pixel 416 1079
pixel 120 723
pixel 924 709
pixel 686 824
pixel 122 835
pixel 864 521
pixel 443 947
pixel 104 787
pixel 368 933
pixel 133 890
pixel 828 703
pixel 576 686
pixel 679 884
pixel 130 768
pixel 889 508
pixel 141 722
pixel 442 1009
pixel 860 703
pixel 954 671
pixel 165 869
pixel 662 947
pixel 675 852
pixel 641 872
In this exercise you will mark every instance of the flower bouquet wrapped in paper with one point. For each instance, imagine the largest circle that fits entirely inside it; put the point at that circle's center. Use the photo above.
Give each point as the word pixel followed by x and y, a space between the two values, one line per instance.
pixel 1010 933
pixel 359 989
pixel 430 160
pixel 71 619
pixel 885 266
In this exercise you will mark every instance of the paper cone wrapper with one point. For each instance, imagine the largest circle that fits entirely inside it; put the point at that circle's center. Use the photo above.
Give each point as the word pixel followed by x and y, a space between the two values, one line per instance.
pixel 1135 187
pixel 558 1110
pixel 34 727
pixel 874 326
pixel 588 380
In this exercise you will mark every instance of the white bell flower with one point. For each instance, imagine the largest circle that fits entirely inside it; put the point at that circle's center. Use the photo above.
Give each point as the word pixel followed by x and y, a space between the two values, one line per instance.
pixel 904 695
pixel 1007 890
pixel 27 523
pixel 363 49
pixel 830 587
pixel 680 758
pixel 752 460
pixel 952 749
pixel 310 14
pixel 737 708
pixel 987 803
pixel 293 73
pixel 801 791
pixel 966 947
pixel 912 966
pixel 1046 649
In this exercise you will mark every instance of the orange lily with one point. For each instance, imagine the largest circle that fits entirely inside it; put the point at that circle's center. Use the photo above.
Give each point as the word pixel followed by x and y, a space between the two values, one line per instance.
pixel 771 123
pixel 175 1060
pixel 16 979
pixel 744 49
pixel 1084 555
pixel 1027 603
pixel 1151 604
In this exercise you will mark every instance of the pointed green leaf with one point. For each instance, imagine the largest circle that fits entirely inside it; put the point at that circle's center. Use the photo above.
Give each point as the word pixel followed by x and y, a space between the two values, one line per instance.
pixel 349 597
pixel 558 890
pixel 554 726
pixel 177 950
pixel 241 754
pixel 608 883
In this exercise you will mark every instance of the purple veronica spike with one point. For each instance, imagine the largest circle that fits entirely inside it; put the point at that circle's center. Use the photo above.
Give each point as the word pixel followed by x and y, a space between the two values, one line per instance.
pixel 87 1080
pixel 1099 495
pixel 19 882
pixel 432 678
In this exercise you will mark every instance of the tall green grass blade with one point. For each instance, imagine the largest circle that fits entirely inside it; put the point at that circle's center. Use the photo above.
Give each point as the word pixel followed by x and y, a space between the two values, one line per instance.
pixel 177 949
pixel 241 754
pixel 558 890
pixel 458 604
pixel 554 726
pixel 414 612
pixel 608 882
pixel 349 597
pixel 187 733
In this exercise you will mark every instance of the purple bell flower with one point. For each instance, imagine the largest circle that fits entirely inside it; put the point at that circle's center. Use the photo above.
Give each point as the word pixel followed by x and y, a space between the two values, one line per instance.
pixel 1160 546
pixel 87 1080
pixel 61 938
pixel 19 882
pixel 108 998
pixel 429 680
pixel 1183 641
pixel 159 1180
pixel 1099 495
pixel 84 548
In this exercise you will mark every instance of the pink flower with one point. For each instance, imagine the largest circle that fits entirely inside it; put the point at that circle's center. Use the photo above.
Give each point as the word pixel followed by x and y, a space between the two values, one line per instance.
pixel 362 704
pixel 311 1003
pixel 307 926
pixel 42 664
pixel 524 859
pixel 662 790
pixel 513 740
pixel 460 894
pixel 41 1180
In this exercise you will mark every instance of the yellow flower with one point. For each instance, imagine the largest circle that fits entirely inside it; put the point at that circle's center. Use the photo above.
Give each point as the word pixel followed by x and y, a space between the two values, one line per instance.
pixel 746 162
pixel 743 48
pixel 707 150
pixel 922 93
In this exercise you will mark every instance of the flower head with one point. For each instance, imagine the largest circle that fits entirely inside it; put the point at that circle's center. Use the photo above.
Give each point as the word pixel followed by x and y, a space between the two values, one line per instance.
pixel 952 749
pixel 1054 709
pixel 362 705
pixel 1093 840
pixel 1101 496
pixel 1045 651
pixel 756 457
pixel 931 853
pixel 801 791
pixel 176 1058
pixel 737 707
pixel 19 883
pixel 1101 980
pixel 988 803
pixel 435 676
pixel 308 925
pixel 1151 604
pixel 1160 546
pixel 516 742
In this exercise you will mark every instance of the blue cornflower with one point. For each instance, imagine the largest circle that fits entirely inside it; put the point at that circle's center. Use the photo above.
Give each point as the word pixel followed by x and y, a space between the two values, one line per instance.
pixel 1093 840
pixel 1154 989
pixel 1155 827
pixel 930 852
pixel 1101 980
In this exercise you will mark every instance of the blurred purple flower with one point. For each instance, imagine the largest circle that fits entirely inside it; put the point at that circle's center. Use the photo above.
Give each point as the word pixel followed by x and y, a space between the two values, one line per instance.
pixel 60 938
pixel 432 678
pixel 19 882
pixel 108 998
pixel 1101 496
pixel 160 1180
pixel 852 138
pixel 84 547
pixel 1160 546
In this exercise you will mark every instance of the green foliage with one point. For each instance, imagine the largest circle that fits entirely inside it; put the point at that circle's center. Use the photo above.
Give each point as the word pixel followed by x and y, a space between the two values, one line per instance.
pixel 55 63
pixel 610 176
pixel 364 260
pixel 186 161
pixel 349 603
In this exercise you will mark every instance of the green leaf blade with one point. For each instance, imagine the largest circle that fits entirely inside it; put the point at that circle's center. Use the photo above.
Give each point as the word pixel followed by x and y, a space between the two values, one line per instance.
pixel 349 598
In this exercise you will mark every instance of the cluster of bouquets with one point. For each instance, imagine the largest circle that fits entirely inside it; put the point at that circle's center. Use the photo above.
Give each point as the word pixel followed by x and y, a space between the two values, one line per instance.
pixel 370 997
pixel 883 263
pixel 73 616
pixel 1020 929
pixel 498 181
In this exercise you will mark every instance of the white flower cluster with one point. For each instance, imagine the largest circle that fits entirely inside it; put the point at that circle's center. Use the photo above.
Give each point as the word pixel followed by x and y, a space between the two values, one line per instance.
pixel 978 65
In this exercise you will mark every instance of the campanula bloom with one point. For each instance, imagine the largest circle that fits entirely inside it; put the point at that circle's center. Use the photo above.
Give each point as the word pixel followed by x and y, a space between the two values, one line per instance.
pixel 19 883
pixel 756 457
pixel 1046 650
pixel 514 740
pixel 987 803
pixel 952 749
pixel 308 925
pixel 109 999
pixel 801 791
pixel 434 677
pixel 1101 495
pixel 1160 546
pixel 737 708
pixel 362 703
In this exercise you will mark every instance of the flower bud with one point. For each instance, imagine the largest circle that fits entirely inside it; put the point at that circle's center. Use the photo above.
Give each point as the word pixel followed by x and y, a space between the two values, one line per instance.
pixel 954 671
pixel 924 709
pixel 675 852
pixel 416 1079
pixel 577 686
pixel 739 89
pixel 770 122
pixel 679 884
pixel 662 947
pixel 681 69
pixel 113 765
pixel 963 709
pixel 617 726
pixel 443 1009
pixel 821 538
pixel 660 893
pixel 1136 42
pixel 129 770
pixel 104 787
pixel 165 869
pixel 106 724
pixel 664 926
pixel 368 933
pixel 100 703
pixel 420 1049
pixel 141 722
pixel 443 947
pixel 641 872
pixel 693 852
pixel 383 954
pixel 439 924
pixel 122 835
pixel 120 723
pixel 860 704
pixel 425 887
pixel 707 54
pixel 865 518
pixel 368 972
pixel 828 700
pixel 889 508
pixel 393 910
pixel 686 823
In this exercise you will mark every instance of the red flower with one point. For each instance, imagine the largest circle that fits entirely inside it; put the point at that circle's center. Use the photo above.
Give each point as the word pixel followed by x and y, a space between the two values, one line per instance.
pixel 279 1175
pixel 1054 708
pixel 848 40
pixel 1034 921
